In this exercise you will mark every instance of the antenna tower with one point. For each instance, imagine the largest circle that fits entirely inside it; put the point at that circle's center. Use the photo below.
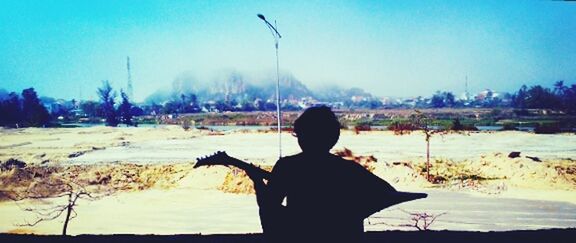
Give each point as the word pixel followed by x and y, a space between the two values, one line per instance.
pixel 466 89
pixel 130 89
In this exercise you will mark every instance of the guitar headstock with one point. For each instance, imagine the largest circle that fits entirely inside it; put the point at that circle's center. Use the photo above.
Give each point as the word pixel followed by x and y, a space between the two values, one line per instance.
pixel 218 158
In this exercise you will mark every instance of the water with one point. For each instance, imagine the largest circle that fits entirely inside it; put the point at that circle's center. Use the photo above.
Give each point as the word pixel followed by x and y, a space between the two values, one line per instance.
pixel 214 128
pixel 224 128
pixel 239 128
pixel 102 124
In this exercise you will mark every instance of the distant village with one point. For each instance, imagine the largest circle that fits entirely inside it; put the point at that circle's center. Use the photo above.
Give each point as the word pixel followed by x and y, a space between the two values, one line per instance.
pixel 484 99
pixel 233 93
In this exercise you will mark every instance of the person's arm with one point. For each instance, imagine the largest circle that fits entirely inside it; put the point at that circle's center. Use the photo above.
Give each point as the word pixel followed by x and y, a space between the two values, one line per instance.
pixel 270 197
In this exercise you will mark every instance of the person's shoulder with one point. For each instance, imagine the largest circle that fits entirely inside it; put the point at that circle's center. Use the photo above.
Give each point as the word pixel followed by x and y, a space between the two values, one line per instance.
pixel 347 164
pixel 290 158
pixel 342 161
pixel 287 161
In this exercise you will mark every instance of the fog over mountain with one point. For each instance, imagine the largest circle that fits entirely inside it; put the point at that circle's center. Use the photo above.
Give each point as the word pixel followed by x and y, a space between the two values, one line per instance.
pixel 233 85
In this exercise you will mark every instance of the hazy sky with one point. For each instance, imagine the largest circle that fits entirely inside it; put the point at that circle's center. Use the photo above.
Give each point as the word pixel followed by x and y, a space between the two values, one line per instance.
pixel 390 48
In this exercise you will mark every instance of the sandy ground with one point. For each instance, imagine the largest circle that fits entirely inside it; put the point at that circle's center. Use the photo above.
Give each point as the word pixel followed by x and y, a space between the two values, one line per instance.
pixel 168 197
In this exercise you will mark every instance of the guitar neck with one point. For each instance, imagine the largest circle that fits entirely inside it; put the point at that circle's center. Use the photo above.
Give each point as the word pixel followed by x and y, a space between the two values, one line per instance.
pixel 250 168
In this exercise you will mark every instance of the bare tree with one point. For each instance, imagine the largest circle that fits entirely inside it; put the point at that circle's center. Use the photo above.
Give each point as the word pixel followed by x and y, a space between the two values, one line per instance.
pixel 423 122
pixel 421 221
pixel 419 121
pixel 52 191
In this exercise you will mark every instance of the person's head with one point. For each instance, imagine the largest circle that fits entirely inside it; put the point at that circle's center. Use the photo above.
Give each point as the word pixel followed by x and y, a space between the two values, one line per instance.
pixel 317 129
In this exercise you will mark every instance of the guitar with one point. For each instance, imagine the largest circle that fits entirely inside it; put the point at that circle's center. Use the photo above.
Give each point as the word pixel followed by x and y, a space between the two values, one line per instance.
pixel 221 158
pixel 386 198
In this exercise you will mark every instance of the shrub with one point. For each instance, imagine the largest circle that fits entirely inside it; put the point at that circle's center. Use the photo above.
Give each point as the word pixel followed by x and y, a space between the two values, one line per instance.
pixel 509 127
pixel 402 128
pixel 458 126
pixel 547 128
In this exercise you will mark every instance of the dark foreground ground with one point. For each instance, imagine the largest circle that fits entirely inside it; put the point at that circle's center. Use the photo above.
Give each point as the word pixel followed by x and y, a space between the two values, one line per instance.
pixel 539 236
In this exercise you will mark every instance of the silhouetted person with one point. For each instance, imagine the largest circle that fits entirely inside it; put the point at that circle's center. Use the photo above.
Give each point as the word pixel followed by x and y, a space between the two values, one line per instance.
pixel 327 197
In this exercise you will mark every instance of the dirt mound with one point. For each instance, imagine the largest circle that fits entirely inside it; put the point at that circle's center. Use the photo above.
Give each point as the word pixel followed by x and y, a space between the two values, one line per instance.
pixel 47 180
pixel 497 172
pixel 237 181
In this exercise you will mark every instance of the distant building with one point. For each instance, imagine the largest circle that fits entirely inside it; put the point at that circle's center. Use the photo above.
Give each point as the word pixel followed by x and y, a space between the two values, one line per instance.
pixel 486 95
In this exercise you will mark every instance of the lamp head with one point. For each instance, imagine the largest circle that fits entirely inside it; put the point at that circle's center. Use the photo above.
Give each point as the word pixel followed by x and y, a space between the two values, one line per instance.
pixel 261 17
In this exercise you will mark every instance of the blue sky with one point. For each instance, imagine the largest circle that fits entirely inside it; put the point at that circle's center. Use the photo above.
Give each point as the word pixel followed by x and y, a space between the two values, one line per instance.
pixel 64 48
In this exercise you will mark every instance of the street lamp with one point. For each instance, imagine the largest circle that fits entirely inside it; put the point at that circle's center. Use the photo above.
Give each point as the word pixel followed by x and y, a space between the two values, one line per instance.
pixel 277 37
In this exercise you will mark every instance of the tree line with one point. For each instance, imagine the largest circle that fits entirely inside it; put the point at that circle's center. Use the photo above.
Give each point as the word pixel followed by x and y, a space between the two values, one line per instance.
pixel 114 115
pixel 560 97
pixel 27 110
pixel 23 110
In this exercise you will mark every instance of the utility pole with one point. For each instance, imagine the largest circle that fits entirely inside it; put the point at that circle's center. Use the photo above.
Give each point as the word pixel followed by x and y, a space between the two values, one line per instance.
pixel 277 37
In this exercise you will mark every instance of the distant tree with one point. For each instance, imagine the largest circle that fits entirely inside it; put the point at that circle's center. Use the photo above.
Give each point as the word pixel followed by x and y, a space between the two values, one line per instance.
pixel 247 106
pixel 64 110
pixel 541 98
pixel 559 88
pixel 437 100
pixel 171 107
pixel 222 106
pixel 269 106
pixel 11 111
pixel 183 104
pixel 563 94
pixel 125 110
pixel 290 107
pixel 35 114
pixel 569 99
pixel 449 99
pixel 192 105
pixel 90 108
pixel 107 98
pixel 369 104
pixel 493 102
pixel 153 109
pixel 136 111
pixel 443 99
pixel 260 105
pixel 519 99
pixel 193 99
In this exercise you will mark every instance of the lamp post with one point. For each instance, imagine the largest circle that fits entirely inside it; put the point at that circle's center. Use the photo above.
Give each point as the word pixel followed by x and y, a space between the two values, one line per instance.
pixel 277 37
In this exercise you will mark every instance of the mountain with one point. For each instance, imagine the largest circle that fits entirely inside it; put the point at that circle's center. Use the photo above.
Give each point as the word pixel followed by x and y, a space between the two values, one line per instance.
pixel 234 86
pixel 334 93
pixel 230 86
pixel 290 88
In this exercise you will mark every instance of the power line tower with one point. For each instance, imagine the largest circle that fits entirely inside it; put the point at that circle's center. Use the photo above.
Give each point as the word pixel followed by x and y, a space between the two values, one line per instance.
pixel 130 89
